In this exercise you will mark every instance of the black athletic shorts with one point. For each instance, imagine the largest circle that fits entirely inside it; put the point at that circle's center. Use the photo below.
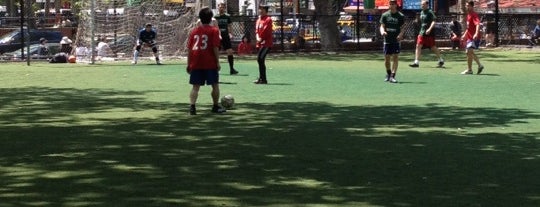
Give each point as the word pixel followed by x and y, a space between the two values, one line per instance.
pixel 225 41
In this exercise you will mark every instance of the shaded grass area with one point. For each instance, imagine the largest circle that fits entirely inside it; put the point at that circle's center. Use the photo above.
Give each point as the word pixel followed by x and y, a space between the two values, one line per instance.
pixel 128 143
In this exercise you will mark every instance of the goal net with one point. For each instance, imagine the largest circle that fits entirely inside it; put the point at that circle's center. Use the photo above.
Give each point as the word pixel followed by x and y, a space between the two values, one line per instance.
pixel 119 21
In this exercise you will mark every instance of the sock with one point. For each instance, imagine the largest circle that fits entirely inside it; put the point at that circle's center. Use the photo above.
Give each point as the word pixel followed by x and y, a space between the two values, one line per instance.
pixel 441 59
pixel 157 58
pixel 388 72
pixel 230 58
pixel 393 75
pixel 415 61
pixel 135 55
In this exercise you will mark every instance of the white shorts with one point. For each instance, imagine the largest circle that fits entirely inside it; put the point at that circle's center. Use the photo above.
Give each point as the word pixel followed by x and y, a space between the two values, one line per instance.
pixel 473 44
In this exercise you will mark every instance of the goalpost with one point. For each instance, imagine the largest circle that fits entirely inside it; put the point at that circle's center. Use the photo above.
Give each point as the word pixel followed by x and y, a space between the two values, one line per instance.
pixel 119 21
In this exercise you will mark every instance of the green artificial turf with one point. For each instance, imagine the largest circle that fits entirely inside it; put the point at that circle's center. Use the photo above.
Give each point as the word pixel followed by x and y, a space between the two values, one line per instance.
pixel 326 131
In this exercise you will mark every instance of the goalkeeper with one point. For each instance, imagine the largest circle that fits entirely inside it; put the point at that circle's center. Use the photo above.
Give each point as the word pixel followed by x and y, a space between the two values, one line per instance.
pixel 147 38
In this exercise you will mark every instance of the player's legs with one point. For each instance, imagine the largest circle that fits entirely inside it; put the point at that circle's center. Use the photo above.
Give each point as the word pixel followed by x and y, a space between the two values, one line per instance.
pixel 470 57
pixel 471 46
pixel 155 51
pixel 212 78
pixel 395 63
pixel 418 51
pixel 475 57
pixel 138 49
pixel 215 94
pixel 136 52
pixel 230 59
pixel 215 99
pixel 387 63
pixel 227 46
pixel 196 78
pixel 437 52
pixel 391 58
pixel 261 57
pixel 193 95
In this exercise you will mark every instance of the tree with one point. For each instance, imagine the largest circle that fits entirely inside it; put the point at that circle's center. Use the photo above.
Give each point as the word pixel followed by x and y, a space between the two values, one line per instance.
pixel 463 8
pixel 327 15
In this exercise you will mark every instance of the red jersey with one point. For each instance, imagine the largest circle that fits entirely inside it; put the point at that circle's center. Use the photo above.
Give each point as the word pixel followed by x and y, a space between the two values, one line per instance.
pixel 244 48
pixel 263 28
pixel 202 41
pixel 472 21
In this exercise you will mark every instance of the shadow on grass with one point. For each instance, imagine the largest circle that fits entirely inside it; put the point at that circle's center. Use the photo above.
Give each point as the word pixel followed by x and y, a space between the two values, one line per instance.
pixel 67 147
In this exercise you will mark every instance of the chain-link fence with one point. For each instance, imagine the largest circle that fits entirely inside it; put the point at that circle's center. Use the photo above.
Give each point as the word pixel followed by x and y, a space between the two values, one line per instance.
pixel 363 29
pixel 512 28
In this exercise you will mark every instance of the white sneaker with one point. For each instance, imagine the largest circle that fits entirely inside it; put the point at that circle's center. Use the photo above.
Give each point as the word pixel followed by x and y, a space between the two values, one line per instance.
pixel 467 72
pixel 134 62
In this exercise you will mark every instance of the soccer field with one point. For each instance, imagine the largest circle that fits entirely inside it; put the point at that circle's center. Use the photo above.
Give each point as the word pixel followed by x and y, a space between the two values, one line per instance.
pixel 326 131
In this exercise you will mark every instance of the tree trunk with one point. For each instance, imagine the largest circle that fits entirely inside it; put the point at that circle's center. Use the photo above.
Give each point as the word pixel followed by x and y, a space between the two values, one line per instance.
pixel 11 8
pixel 327 18
pixel 29 14
pixel 463 8
pixel 46 13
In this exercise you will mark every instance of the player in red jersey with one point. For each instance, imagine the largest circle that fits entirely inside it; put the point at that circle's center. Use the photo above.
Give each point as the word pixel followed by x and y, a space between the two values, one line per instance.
pixel 265 40
pixel 472 36
pixel 203 60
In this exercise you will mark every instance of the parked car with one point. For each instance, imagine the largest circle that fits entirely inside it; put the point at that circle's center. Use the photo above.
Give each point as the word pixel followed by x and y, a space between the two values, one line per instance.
pixel 12 40
pixel 34 49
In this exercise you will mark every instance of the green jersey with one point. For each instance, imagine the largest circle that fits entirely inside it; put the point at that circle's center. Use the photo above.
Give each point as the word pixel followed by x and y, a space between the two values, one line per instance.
pixel 392 23
pixel 426 18
pixel 223 23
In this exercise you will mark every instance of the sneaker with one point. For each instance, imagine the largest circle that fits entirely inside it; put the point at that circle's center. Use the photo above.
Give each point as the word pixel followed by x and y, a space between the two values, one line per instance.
pixel 441 64
pixel 218 109
pixel 414 65
pixel 480 69
pixel 234 72
pixel 387 78
pixel 467 72
pixel 192 111
pixel 158 62
pixel 260 81
pixel 392 80
pixel 134 62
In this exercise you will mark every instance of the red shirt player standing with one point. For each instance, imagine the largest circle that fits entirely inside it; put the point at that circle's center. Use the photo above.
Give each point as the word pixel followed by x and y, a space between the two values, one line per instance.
pixel 263 31
pixel 203 60
pixel 472 36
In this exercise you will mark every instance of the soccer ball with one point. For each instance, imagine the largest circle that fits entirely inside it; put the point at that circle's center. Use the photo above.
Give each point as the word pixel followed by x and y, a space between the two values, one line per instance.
pixel 227 101
pixel 72 59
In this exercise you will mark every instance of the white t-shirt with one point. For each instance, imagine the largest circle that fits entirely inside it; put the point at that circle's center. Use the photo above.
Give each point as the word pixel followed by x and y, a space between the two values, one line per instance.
pixel 103 49
pixel 81 51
